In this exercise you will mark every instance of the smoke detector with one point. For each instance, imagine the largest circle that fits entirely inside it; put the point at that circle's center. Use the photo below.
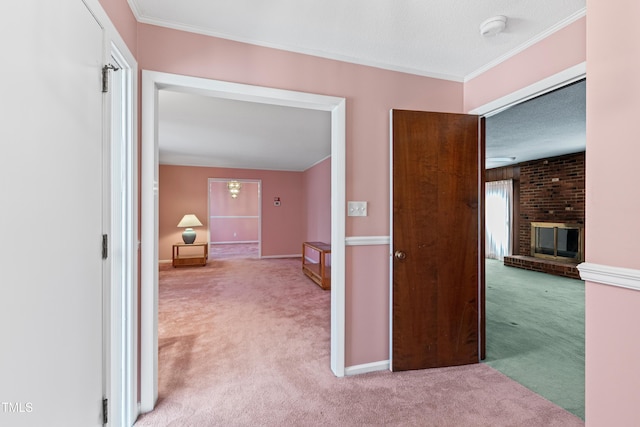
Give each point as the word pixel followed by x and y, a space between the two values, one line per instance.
pixel 493 26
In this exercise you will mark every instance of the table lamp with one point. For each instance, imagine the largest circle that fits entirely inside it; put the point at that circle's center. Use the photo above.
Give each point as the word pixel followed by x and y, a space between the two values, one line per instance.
pixel 188 221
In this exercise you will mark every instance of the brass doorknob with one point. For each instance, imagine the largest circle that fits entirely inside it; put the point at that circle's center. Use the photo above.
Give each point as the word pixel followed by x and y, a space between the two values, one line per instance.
pixel 400 255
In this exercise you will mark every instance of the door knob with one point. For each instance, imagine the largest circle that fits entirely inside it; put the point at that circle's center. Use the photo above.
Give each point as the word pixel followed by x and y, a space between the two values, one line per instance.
pixel 400 255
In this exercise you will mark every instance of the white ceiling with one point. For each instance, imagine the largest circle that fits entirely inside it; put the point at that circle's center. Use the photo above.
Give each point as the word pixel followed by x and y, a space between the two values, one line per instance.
pixel 198 130
pixel 436 38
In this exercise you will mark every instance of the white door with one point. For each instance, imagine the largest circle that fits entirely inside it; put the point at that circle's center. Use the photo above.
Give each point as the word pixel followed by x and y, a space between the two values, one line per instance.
pixel 51 214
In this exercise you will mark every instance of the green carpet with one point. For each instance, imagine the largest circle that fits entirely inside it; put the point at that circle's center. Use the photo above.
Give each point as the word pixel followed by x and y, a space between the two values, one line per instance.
pixel 535 332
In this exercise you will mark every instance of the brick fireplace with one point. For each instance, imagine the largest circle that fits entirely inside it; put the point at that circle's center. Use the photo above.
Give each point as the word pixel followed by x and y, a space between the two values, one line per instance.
pixel 549 190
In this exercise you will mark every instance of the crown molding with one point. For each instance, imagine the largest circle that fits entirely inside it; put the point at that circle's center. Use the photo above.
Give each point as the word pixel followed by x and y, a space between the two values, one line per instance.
pixel 559 26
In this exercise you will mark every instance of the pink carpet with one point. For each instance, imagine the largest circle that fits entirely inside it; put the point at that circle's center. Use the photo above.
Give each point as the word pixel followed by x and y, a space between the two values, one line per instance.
pixel 233 250
pixel 245 342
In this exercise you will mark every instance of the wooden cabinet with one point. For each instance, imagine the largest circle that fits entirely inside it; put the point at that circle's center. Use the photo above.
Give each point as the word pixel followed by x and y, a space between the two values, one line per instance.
pixel 314 263
pixel 189 255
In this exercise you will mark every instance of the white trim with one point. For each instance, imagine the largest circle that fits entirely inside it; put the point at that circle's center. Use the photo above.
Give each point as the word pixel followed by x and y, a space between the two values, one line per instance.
pixel 538 88
pixel 366 368
pixel 123 236
pixel 152 82
pixel 235 217
pixel 280 256
pixel 559 26
pixel 149 246
pixel 123 348
pixel 627 278
pixel 232 242
pixel 367 240
pixel 317 163
pixel 338 232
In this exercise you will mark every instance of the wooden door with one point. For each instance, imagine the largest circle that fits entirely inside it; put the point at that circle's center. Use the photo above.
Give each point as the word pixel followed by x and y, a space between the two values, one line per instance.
pixel 438 240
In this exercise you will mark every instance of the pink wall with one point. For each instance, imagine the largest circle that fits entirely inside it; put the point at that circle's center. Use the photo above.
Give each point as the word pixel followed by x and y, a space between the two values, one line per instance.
pixel 561 50
pixel 125 22
pixel 233 220
pixel 613 229
pixel 370 94
pixel 183 188
pixel 364 299
pixel 613 211
pixel 230 230
pixel 317 190
pixel 613 374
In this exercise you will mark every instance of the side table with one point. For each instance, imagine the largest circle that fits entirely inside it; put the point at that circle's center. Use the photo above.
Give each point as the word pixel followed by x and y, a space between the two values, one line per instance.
pixel 198 256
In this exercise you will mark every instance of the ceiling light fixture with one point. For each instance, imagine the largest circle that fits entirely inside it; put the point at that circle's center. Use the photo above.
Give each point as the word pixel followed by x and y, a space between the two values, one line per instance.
pixel 234 188
pixel 493 26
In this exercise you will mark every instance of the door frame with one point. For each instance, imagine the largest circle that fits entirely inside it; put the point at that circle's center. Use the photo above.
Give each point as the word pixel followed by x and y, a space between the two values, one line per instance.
pixel 152 83
pixel 120 313
pixel 122 228
pixel 551 83
pixel 558 80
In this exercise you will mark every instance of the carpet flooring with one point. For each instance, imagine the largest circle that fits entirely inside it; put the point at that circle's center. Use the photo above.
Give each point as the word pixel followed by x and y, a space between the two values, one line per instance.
pixel 535 332
pixel 245 342
pixel 233 250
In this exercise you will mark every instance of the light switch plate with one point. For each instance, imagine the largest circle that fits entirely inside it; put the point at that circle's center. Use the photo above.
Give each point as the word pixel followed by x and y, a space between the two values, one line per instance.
pixel 356 208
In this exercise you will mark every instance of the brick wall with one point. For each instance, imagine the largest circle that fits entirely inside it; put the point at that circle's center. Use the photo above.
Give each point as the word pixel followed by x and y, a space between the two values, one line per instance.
pixel 551 190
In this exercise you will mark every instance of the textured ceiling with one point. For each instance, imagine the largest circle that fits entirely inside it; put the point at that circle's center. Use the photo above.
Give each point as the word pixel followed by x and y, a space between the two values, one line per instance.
pixel 547 126
pixel 437 38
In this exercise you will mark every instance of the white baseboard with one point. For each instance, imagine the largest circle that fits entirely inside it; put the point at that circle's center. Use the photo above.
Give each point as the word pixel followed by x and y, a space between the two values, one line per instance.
pixel 233 242
pixel 280 256
pixel 366 368
pixel 627 278
pixel 165 261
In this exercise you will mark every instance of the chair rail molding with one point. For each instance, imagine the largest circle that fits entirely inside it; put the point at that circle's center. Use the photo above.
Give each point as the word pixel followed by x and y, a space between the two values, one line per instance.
pixel 367 240
pixel 627 278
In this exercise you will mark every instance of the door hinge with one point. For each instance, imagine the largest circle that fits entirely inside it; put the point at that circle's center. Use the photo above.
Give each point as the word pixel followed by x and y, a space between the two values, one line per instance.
pixel 105 76
pixel 105 246
pixel 105 410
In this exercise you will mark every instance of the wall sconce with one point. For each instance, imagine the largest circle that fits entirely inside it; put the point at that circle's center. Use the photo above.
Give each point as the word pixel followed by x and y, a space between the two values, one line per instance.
pixel 234 188
pixel 188 221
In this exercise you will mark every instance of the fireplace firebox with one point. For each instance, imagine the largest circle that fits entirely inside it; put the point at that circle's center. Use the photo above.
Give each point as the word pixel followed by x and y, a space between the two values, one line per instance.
pixel 557 241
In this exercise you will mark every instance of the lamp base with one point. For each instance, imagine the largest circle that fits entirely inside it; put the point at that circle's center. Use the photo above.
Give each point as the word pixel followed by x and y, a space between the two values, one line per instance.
pixel 189 236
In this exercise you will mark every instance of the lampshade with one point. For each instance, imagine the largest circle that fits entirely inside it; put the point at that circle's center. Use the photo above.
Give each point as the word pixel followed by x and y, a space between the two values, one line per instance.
pixel 188 221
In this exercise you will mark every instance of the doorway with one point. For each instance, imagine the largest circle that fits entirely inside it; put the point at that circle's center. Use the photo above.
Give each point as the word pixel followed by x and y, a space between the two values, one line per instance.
pixel 235 218
pixel 520 304
pixel 152 82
